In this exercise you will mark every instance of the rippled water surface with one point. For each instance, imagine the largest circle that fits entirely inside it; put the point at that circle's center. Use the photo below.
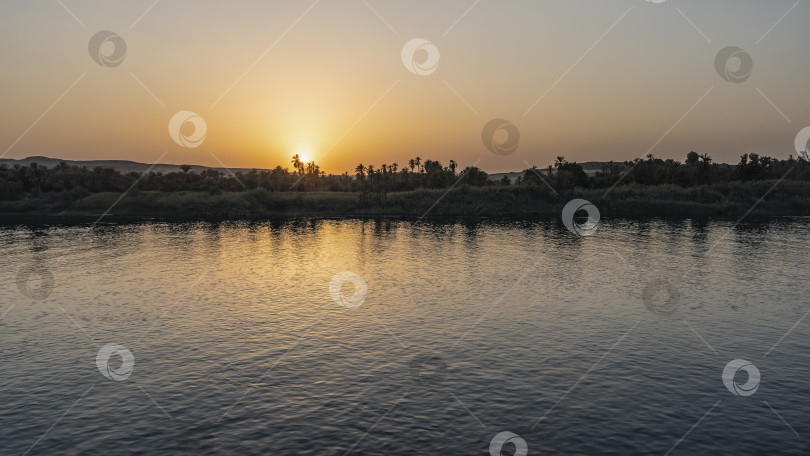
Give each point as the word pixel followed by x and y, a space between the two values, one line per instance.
pixel 467 330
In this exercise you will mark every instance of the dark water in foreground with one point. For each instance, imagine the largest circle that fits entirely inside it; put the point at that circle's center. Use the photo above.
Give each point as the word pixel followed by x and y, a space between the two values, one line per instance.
pixel 466 331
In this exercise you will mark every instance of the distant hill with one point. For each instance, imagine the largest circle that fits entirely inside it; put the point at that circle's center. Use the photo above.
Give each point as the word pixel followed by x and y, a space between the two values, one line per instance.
pixel 124 166
pixel 591 168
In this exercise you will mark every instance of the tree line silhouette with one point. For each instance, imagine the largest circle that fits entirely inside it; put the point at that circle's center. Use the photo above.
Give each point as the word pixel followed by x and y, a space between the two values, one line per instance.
pixel 374 183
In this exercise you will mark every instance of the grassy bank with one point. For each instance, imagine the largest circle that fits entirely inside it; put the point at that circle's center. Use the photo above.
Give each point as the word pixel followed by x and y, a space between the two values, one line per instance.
pixel 726 199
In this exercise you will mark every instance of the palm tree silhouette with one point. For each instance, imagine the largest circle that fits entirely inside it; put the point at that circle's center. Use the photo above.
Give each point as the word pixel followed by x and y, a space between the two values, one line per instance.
pixel 361 175
pixel 297 164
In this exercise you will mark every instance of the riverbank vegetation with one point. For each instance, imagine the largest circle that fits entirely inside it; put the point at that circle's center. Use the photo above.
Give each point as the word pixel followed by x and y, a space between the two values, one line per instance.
pixel 644 187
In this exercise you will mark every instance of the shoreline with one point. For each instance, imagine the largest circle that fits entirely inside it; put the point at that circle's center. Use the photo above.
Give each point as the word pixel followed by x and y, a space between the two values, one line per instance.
pixel 521 203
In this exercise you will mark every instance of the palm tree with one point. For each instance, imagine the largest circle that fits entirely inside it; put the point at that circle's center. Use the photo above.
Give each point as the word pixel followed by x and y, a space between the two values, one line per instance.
pixel 705 158
pixel 453 166
pixel 297 164
pixel 412 164
pixel 385 170
pixel 361 175
pixel 418 161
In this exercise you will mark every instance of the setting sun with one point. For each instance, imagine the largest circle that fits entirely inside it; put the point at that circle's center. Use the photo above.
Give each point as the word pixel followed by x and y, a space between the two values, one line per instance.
pixel 304 154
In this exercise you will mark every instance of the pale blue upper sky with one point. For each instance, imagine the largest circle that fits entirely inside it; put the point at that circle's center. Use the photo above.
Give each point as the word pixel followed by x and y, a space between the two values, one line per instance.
pixel 617 75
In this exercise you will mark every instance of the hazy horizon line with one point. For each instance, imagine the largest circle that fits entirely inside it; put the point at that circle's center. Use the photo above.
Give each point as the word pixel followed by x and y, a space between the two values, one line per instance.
pixel 32 159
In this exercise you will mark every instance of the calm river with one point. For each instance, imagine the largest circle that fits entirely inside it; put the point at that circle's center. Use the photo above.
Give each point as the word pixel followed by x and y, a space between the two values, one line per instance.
pixel 390 337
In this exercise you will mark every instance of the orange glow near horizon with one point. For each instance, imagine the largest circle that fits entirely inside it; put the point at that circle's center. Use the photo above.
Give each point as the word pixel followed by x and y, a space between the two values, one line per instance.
pixel 305 155
pixel 335 89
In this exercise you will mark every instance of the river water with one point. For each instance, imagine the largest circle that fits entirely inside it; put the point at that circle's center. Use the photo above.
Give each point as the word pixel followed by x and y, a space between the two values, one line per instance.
pixel 391 337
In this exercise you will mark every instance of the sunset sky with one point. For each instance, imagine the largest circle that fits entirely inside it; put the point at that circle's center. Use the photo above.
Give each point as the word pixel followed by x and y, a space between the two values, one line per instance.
pixel 272 78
